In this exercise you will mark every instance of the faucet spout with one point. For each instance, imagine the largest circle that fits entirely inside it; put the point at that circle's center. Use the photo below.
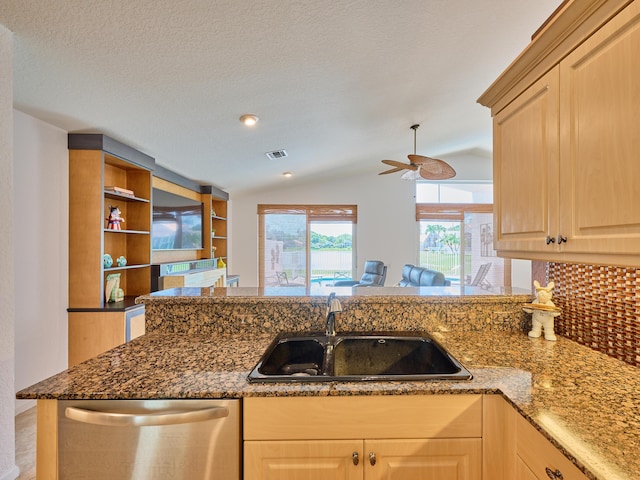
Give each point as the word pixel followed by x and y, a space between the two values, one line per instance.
pixel 333 306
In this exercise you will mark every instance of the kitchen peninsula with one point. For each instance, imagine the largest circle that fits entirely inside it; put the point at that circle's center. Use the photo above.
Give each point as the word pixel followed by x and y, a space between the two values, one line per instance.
pixel 203 343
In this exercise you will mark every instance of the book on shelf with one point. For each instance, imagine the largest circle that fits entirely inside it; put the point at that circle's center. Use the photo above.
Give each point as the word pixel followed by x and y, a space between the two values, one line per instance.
pixel 120 190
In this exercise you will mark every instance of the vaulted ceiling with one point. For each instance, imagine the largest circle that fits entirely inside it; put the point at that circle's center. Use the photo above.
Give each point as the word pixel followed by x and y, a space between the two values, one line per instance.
pixel 336 83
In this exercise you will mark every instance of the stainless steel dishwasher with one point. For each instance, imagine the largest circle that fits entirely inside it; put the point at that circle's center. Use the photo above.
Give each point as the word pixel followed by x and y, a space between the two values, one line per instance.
pixel 149 439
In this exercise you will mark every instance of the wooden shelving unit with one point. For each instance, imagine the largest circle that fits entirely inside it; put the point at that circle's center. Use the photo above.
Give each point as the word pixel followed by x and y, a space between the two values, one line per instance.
pixel 216 223
pixel 219 228
pixel 97 161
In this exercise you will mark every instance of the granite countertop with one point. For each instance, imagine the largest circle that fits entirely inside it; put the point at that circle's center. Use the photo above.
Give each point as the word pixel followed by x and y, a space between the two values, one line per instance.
pixel 586 403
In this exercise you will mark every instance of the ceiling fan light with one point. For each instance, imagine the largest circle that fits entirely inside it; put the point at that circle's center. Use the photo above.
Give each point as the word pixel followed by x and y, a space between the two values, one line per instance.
pixel 249 119
pixel 411 174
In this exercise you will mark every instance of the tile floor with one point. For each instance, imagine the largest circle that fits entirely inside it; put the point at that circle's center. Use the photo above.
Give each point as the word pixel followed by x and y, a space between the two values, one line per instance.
pixel 26 444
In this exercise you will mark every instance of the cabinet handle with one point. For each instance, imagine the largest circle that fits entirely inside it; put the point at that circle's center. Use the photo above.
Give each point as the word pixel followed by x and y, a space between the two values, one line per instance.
pixel 554 474
pixel 355 458
pixel 116 419
pixel 550 239
pixel 561 239
pixel 372 459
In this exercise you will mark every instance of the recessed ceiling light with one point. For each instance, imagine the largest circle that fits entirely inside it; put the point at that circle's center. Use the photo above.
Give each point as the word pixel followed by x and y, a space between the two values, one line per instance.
pixel 249 119
pixel 288 174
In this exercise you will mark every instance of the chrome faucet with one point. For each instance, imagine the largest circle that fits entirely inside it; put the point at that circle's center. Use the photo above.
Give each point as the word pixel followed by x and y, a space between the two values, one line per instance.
pixel 333 306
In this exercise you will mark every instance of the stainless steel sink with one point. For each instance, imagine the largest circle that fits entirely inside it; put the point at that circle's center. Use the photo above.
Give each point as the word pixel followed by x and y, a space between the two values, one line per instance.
pixel 356 357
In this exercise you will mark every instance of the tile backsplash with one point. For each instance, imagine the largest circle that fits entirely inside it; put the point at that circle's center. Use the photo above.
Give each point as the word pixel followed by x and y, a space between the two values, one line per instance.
pixel 600 307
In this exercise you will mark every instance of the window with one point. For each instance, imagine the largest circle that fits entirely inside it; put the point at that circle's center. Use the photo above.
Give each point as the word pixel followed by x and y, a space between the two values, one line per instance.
pixel 456 233
pixel 306 245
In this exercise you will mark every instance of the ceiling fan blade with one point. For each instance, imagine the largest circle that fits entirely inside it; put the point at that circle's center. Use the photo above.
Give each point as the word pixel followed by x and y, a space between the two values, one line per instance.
pixel 396 164
pixel 393 170
pixel 436 170
pixel 421 159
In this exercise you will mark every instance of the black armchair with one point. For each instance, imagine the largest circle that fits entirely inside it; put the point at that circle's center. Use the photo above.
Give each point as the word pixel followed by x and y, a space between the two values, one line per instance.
pixel 375 273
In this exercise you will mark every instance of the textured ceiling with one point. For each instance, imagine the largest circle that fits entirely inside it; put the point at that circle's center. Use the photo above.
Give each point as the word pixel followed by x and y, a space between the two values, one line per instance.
pixel 337 83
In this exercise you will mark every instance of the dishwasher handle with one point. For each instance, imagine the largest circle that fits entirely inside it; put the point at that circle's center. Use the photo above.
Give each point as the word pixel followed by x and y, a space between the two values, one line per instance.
pixel 160 418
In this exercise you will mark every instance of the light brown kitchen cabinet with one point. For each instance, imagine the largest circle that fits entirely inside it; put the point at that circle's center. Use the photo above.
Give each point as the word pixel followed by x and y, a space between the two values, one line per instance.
pixel 566 145
pixel 600 140
pixel 518 450
pixel 415 459
pixel 525 168
pixel 373 437
pixel 536 458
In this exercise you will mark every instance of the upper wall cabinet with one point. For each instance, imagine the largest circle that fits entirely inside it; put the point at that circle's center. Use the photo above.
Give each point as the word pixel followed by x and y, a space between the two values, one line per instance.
pixel 525 168
pixel 567 139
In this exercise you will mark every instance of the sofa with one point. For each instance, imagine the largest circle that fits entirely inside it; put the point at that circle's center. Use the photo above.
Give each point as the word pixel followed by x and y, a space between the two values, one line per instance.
pixel 413 276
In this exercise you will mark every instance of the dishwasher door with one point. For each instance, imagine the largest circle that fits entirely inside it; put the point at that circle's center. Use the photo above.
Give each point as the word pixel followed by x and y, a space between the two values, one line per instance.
pixel 149 439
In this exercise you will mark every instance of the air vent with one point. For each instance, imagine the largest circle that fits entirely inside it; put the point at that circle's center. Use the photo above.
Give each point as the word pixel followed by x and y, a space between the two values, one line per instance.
pixel 276 154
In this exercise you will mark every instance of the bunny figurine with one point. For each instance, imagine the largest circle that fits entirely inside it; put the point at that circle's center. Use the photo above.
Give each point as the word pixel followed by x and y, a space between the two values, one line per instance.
pixel 543 318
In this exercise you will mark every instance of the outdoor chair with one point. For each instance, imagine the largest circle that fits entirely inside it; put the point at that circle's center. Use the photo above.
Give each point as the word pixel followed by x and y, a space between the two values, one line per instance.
pixel 480 279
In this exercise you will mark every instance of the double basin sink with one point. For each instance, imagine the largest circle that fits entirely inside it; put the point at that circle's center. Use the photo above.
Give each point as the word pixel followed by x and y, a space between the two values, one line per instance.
pixel 349 357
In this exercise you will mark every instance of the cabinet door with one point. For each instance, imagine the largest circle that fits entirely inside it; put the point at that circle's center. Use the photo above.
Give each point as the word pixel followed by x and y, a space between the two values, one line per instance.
pixel 525 167
pixel 523 472
pixel 311 460
pixel 535 454
pixel 444 459
pixel 600 139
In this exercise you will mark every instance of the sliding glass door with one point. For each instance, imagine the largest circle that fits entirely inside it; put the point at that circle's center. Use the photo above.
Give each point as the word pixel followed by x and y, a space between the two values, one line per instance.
pixel 284 250
pixel 331 252
pixel 305 245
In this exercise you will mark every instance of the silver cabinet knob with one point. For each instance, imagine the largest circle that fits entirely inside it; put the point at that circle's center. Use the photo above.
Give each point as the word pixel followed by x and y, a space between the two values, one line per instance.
pixel 355 458
pixel 372 458
pixel 561 239
pixel 550 239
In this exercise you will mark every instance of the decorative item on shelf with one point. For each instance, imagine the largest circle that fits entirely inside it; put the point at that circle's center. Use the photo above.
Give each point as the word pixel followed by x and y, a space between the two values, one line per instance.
pixel 543 312
pixel 120 190
pixel 107 261
pixel 114 220
pixel 221 263
pixel 112 291
pixel 213 232
pixel 213 251
pixel 213 213
pixel 121 261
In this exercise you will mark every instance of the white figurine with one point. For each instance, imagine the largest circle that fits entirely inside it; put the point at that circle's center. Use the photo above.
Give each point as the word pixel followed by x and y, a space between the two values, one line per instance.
pixel 543 318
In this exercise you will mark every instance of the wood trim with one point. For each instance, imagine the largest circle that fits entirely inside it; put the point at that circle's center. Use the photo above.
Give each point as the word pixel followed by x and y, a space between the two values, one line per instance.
pixel 170 187
pixel 261 251
pixel 325 418
pixel 47 440
pixel 450 211
pixel 314 212
pixel 86 225
pixel 550 19
pixel 582 258
pixel 98 141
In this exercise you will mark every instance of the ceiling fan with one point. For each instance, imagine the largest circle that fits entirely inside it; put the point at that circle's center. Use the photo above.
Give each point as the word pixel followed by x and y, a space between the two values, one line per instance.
pixel 420 166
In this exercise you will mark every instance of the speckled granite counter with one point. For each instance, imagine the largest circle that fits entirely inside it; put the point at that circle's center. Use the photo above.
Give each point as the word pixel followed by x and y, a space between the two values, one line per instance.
pixel 252 310
pixel 586 403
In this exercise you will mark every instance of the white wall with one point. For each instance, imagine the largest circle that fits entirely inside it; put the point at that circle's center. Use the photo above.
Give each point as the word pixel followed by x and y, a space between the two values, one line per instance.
pixel 8 468
pixel 386 220
pixel 387 229
pixel 41 186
